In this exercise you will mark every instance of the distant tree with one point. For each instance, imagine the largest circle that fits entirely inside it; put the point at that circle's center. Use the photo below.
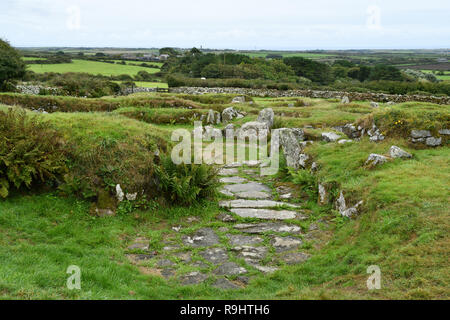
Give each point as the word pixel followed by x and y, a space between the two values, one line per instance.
pixel 194 51
pixel 274 56
pixel 343 63
pixel 60 53
pixel 11 64
pixel 313 70
pixel 384 72
pixel 169 51
pixel 100 54
pixel 80 54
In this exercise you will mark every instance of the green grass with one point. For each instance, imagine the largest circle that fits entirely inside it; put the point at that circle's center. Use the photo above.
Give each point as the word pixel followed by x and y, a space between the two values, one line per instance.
pixel 145 84
pixel 92 67
pixel 404 226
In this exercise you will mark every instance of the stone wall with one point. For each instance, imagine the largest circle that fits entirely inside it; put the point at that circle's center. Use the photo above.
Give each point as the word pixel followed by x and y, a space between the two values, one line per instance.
pixel 356 96
pixel 128 91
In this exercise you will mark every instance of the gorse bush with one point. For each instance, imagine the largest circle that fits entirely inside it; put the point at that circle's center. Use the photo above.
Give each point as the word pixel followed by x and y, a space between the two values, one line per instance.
pixel 186 184
pixel 30 151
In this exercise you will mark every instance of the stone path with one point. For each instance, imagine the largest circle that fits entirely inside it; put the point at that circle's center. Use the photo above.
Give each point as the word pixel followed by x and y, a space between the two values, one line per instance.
pixel 254 234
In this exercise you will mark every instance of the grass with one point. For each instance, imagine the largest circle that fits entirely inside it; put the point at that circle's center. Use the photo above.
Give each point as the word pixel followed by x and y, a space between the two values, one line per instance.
pixel 92 67
pixel 145 84
pixel 404 227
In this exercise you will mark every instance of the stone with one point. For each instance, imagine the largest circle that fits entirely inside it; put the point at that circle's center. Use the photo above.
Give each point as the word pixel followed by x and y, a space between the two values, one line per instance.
pixel 131 196
pixel 205 237
pixel 433 142
pixel 246 187
pixel 225 284
pixel 252 163
pixel 251 254
pixel 243 240
pixel 193 278
pixel 344 210
pixel 213 117
pixel 255 204
pixel 119 193
pixel 226 193
pixel 233 180
pixel 238 100
pixel 282 244
pixel 345 100
pixel 226 217
pixel 344 141
pixel 267 116
pixel 229 114
pixel 253 195
pixel 290 142
pixel 253 130
pixel 417 134
pixel 102 213
pixel 165 263
pixel 183 256
pixel 200 265
pixel 265 214
pixel 375 159
pixel 374 105
pixel 265 269
pixel 396 152
pixel 211 133
pixel 215 255
pixel 260 228
pixel 230 269
pixel 141 244
pixel 444 132
pixel 168 273
pixel 323 195
pixel 228 171
pixel 233 165
pixel 295 258
pixel 391 103
pixel 330 136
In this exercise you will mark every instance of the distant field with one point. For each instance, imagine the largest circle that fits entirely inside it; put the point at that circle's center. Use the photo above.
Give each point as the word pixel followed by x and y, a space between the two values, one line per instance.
pixel 32 58
pixel 145 84
pixel 445 77
pixel 288 54
pixel 93 67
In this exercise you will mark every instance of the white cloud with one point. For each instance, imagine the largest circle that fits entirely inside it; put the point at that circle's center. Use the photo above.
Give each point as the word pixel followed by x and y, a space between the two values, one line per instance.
pixel 289 24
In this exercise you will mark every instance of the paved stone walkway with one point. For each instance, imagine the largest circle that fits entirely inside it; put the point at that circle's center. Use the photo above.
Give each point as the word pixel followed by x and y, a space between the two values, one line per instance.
pixel 254 234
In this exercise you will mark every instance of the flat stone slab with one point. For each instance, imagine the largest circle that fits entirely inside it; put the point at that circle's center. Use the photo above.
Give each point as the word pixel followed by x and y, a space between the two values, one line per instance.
pixel 183 256
pixel 205 237
pixel 265 269
pixel 253 195
pixel 165 263
pixel 232 180
pixel 233 165
pixel 193 278
pixel 215 255
pixel 141 244
pixel 225 284
pixel 282 244
pixel 295 257
pixel 247 187
pixel 265 214
pixel 228 172
pixel 230 269
pixel 251 254
pixel 226 193
pixel 255 204
pixel 259 228
pixel 243 240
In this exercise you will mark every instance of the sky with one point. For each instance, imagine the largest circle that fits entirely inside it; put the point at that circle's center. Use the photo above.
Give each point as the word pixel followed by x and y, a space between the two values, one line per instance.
pixel 228 24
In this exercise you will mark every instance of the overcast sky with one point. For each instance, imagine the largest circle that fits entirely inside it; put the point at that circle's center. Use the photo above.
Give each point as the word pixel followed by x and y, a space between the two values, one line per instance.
pixel 234 24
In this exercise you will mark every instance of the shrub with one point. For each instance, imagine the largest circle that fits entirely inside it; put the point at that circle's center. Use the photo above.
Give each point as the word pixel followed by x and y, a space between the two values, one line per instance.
pixel 11 64
pixel 186 184
pixel 30 151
